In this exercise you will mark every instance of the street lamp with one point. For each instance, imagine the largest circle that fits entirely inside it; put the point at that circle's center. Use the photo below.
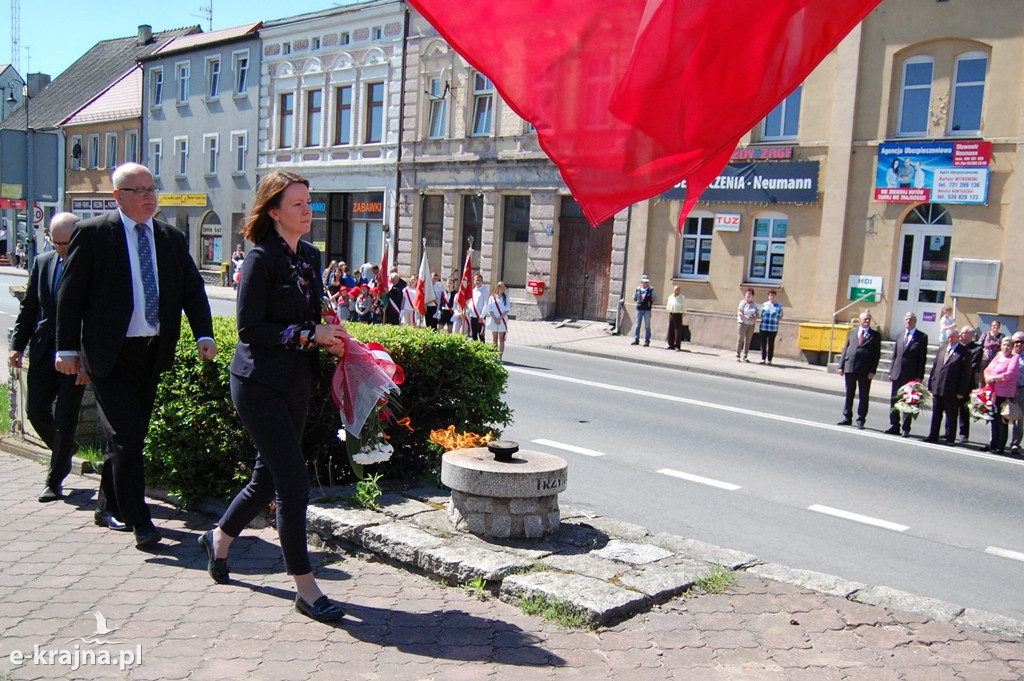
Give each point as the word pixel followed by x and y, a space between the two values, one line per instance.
pixel 30 238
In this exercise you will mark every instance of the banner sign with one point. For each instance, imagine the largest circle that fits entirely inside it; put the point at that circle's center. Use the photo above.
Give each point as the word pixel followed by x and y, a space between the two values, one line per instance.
pixel 783 182
pixel 181 200
pixel 93 204
pixel 940 172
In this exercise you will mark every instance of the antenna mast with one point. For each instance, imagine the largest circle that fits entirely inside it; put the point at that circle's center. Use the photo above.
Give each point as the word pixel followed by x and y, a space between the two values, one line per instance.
pixel 16 34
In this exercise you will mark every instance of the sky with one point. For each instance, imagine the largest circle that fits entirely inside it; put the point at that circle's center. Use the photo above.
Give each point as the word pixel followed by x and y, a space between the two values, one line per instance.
pixel 58 32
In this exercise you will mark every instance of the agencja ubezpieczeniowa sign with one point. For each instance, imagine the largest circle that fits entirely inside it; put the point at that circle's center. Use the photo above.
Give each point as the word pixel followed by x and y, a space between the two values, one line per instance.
pixel 927 172
pixel 771 182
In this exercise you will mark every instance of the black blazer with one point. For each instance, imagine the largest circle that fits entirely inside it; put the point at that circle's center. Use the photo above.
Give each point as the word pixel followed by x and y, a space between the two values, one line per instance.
pixel 909 359
pixel 269 301
pixel 37 319
pixel 861 359
pixel 94 303
pixel 953 377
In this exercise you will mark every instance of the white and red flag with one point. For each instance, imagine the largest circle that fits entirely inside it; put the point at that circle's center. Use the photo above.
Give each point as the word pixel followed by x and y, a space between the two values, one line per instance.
pixel 424 287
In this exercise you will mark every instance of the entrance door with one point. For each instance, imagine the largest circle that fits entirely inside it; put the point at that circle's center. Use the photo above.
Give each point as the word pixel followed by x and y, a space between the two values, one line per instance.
pixel 924 269
pixel 584 269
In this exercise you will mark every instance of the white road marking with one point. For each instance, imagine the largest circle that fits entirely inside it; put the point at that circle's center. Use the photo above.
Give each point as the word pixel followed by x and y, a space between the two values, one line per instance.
pixel 857 517
pixel 1005 553
pixel 961 451
pixel 698 478
pixel 569 448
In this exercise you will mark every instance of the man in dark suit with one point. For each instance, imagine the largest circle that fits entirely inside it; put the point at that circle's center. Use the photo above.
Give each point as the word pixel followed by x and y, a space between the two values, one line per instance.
pixel 975 350
pixel 127 280
pixel 950 383
pixel 53 399
pixel 858 364
pixel 908 360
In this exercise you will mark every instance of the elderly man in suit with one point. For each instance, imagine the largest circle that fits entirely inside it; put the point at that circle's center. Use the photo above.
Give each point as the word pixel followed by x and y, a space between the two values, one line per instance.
pixel 127 280
pixel 53 399
pixel 950 383
pixel 908 361
pixel 858 364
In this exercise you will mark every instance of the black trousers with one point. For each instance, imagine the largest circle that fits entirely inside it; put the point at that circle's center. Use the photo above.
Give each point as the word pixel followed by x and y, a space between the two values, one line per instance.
pixel 125 398
pixel 476 329
pixel 768 344
pixel 947 406
pixel 895 416
pixel 431 320
pixel 862 386
pixel 675 329
pixel 275 422
pixel 1000 428
pixel 52 407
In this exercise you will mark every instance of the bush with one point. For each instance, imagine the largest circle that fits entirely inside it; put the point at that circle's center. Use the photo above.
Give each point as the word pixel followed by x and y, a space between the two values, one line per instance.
pixel 197 446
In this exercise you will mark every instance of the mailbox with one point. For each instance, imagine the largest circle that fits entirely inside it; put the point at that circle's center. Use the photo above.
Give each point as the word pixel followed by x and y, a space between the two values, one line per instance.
pixel 535 286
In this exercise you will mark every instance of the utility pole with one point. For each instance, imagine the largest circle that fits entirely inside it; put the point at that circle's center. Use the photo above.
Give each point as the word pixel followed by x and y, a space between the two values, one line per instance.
pixel 16 35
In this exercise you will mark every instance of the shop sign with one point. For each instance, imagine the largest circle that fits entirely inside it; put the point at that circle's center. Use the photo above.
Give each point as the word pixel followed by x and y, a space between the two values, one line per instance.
pixel 785 182
pixel 211 230
pixel 861 286
pixel 727 222
pixel 762 154
pixel 93 204
pixel 182 200
pixel 368 206
pixel 941 172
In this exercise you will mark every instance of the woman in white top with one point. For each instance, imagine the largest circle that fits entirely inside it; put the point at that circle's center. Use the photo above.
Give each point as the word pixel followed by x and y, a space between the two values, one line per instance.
pixel 409 314
pixel 496 316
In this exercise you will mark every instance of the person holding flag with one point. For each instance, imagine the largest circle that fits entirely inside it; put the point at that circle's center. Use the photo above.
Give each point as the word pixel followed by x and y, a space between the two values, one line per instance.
pixel 425 300
pixel 464 297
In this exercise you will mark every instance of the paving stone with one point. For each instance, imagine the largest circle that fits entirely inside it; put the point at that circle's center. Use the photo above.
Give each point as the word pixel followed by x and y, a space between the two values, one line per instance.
pixel 585 564
pixel 398 541
pixel 397 506
pixel 988 621
pixel 698 550
pixel 661 582
pixel 631 552
pixel 598 601
pixel 342 522
pixel 807 579
pixel 459 563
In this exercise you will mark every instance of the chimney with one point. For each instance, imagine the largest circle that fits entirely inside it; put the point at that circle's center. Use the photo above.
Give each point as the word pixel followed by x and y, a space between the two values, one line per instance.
pixel 145 35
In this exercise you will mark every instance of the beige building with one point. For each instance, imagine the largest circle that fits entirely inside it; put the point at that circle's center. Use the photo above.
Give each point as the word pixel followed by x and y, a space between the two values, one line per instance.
pixel 888 175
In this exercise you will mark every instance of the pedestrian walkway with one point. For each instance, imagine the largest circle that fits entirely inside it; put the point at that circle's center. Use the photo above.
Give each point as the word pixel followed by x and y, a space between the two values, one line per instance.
pixel 67 585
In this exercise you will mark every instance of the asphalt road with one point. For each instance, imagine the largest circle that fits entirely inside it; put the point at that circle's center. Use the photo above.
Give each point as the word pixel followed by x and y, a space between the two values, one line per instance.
pixel 764 469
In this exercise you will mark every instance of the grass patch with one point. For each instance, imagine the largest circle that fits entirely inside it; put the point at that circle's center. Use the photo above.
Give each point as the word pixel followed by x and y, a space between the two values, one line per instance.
pixel 554 610
pixel 717 581
pixel 476 587
pixel 92 454
pixel 5 414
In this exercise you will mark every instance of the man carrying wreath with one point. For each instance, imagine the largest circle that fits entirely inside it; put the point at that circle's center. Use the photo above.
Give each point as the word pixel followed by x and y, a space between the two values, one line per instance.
pixel 909 357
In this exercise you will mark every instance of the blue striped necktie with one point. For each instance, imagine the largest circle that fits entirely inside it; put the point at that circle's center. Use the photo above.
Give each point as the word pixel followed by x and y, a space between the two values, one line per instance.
pixel 148 275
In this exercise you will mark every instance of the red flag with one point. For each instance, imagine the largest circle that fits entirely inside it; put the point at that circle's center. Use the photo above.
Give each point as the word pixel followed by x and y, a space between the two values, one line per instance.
pixel 383 278
pixel 424 286
pixel 464 296
pixel 626 119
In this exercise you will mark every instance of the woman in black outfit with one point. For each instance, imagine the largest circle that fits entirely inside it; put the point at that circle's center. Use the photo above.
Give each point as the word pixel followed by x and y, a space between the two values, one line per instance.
pixel 279 332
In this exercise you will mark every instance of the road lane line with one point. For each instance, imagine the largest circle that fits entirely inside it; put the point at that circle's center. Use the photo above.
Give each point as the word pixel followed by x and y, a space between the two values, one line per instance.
pixel 1005 553
pixel 569 448
pixel 698 478
pixel 962 451
pixel 857 517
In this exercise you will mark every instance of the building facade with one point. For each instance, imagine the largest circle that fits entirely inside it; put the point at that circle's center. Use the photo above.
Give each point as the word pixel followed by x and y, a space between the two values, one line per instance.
pixel 200 122
pixel 887 182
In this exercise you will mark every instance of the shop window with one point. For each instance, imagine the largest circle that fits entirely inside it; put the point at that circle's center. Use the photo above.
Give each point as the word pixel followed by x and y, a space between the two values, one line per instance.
pixel 695 247
pixel 768 248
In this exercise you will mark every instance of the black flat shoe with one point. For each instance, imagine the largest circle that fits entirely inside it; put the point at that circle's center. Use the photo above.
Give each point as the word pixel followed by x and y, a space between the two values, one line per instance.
pixel 892 431
pixel 146 537
pixel 106 519
pixel 324 610
pixel 217 567
pixel 51 493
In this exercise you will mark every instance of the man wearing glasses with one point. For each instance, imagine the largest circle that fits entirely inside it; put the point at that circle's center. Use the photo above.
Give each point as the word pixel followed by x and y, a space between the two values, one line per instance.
pixel 127 280
pixel 53 398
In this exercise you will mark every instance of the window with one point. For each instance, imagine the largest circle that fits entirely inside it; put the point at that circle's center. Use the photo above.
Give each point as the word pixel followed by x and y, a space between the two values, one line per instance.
pixel 968 93
pixel 181 150
pixel 240 141
pixel 131 146
pixel 516 240
pixel 156 86
pixel 287 128
pixel 94 151
pixel 213 78
pixel 768 248
pixel 915 96
pixel 343 115
pixel 241 72
pixel 76 152
pixel 286 48
pixel 483 104
pixel 376 33
pixel 784 120
pixel 156 150
pixel 374 112
pixel 182 70
pixel 344 38
pixel 433 227
pixel 437 121
pixel 695 247
pixel 210 146
pixel 111 157
pixel 315 44
pixel 314 117
pixel 472 228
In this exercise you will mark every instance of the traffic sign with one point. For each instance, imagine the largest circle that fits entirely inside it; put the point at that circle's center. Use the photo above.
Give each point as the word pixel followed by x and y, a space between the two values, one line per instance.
pixel 37 216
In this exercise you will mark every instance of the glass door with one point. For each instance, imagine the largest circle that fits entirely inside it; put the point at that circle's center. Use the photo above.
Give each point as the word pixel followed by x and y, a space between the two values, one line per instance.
pixel 925 240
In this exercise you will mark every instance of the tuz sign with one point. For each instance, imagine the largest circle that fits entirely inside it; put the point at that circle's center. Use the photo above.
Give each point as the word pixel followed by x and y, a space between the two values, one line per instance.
pixel 783 182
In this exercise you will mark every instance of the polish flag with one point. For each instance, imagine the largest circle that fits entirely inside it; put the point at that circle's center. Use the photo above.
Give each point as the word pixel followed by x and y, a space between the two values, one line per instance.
pixel 424 286
pixel 629 97
pixel 383 280
pixel 464 296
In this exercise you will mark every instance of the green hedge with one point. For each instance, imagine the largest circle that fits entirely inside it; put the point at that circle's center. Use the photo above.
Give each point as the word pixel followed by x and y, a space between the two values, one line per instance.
pixel 197 447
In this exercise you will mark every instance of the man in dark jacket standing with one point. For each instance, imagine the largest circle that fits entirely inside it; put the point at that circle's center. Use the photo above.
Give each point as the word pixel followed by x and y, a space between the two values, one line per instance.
pixel 858 364
pixel 908 360
pixel 950 383
pixel 975 350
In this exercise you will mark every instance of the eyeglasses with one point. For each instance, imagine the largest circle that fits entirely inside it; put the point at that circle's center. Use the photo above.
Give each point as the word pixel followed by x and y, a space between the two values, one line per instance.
pixel 140 191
